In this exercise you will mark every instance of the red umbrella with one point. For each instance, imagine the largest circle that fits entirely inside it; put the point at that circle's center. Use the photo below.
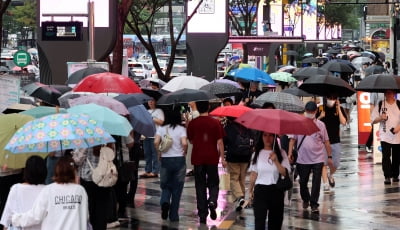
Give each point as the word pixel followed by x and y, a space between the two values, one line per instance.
pixel 278 122
pixel 107 83
pixel 230 111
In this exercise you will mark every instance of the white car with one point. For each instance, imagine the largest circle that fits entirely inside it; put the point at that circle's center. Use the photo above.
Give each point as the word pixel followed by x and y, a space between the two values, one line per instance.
pixel 140 69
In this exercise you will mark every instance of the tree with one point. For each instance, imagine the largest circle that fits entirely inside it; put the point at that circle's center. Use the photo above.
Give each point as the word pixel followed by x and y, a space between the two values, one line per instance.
pixel 3 7
pixel 141 22
pixel 242 15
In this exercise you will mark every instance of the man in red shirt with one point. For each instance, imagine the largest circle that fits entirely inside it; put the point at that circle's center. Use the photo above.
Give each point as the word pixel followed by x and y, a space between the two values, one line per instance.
pixel 206 134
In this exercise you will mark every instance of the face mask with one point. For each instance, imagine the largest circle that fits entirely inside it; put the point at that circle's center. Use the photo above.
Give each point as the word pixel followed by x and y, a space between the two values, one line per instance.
pixel 310 115
pixel 330 103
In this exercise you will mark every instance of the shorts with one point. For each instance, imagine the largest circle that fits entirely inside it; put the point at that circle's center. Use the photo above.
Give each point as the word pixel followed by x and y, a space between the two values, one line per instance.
pixel 336 153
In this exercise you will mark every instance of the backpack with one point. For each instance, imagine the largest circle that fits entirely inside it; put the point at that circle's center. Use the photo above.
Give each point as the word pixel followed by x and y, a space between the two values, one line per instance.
pixel 243 141
pixel 105 174
pixel 166 142
pixel 380 105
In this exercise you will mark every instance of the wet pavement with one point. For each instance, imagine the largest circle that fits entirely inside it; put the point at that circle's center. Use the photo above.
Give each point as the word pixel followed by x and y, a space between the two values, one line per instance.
pixel 360 200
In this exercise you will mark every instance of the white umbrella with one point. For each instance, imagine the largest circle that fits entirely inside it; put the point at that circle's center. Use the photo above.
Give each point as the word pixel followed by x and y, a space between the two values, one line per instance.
pixel 182 82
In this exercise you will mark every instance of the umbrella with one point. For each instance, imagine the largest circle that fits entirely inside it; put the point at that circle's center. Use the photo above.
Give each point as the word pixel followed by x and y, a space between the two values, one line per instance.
pixel 291 53
pixel 61 88
pixel 78 75
pixel 111 121
pixel 227 81
pixel 333 51
pixel 43 92
pixel 374 69
pixel 359 61
pixel 107 83
pixel 297 92
pixel 100 99
pixel 278 122
pixel 379 83
pixel 353 53
pixel 184 96
pixel 58 132
pixel 368 54
pixel 181 82
pixel 133 99
pixel 63 100
pixel 4 69
pixel 308 55
pixel 310 60
pixel 141 121
pixel 306 72
pixel 221 90
pixel 283 77
pixel 10 123
pixel 230 111
pixel 324 85
pixel 16 108
pixel 42 111
pixel 146 83
pixel 282 101
pixel 156 94
pixel 252 74
pixel 335 66
pixel 287 68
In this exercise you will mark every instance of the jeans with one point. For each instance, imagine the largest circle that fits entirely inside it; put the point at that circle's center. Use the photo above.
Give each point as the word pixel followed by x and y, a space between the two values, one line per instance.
pixel 206 176
pixel 172 179
pixel 390 167
pixel 304 171
pixel 150 155
pixel 268 200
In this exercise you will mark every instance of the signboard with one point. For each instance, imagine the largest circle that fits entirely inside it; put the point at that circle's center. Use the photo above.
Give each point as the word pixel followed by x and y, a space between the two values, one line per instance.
pixel 364 118
pixel 22 58
pixel 62 31
pixel 9 91
pixel 210 12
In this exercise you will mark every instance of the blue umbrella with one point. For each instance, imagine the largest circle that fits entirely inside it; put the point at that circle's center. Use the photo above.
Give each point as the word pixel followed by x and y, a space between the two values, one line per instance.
pixel 141 121
pixel 252 74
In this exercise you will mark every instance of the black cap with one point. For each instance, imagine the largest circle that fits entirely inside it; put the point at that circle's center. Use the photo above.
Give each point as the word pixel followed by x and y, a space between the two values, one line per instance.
pixel 311 106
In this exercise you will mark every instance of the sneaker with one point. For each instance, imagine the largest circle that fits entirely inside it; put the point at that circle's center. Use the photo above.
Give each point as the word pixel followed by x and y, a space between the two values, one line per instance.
pixel 368 149
pixel 113 224
pixel 327 189
pixel 164 210
pixel 213 213
pixel 305 205
pixel 331 181
pixel 240 203
pixel 314 210
pixel 395 180
pixel 387 180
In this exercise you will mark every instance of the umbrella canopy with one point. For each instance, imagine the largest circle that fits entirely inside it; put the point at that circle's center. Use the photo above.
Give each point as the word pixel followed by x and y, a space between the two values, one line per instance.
pixel 146 83
pixel 230 111
pixel 359 61
pixel 310 60
pixel 100 99
pixel 61 88
pixel 335 66
pixel 141 121
pixel 333 51
pixel 10 123
pixel 221 90
pixel 306 72
pixel 107 83
pixel 156 94
pixel 252 74
pixel 43 92
pixel 78 75
pixel 291 53
pixel 368 54
pixel 133 99
pixel 182 82
pixel 111 121
pixel 41 111
pixel 282 101
pixel 297 92
pixel 227 81
pixel 278 122
pixel 374 69
pixel 63 100
pixel 379 83
pixel 184 96
pixel 287 68
pixel 324 85
pixel 283 77
pixel 58 132
pixel 4 69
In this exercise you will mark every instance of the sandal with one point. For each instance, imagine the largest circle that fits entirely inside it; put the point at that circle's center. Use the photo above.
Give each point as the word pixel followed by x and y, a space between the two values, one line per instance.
pixel 145 175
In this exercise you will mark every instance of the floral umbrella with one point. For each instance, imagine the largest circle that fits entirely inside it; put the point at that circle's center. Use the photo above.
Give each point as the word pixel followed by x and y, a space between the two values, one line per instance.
pixel 58 132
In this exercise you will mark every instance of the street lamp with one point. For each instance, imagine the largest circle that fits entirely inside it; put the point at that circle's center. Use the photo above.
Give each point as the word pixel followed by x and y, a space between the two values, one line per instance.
pixel 395 28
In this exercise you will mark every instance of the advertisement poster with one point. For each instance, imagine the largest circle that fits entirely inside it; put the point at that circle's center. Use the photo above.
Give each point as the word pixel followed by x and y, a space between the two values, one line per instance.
pixel 9 91
pixel 364 120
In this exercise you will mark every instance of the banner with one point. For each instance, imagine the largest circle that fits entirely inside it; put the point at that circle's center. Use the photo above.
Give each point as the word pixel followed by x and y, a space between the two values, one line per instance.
pixel 364 117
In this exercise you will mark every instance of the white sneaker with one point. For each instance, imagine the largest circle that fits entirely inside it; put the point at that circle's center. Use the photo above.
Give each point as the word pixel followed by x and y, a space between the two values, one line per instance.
pixel 327 188
pixel 113 224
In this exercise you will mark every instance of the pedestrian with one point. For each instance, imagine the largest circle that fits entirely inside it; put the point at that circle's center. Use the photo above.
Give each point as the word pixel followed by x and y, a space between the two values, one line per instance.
pixel 268 163
pixel 23 195
pixel 189 116
pixel 374 100
pixel 60 205
pixel 239 147
pixel 206 134
pixel 311 157
pixel 173 164
pixel 134 155
pixel 250 94
pixel 152 166
pixel 387 114
pixel 332 114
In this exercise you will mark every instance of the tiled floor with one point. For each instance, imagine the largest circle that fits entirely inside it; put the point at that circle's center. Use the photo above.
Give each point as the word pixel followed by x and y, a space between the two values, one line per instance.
pixel 359 201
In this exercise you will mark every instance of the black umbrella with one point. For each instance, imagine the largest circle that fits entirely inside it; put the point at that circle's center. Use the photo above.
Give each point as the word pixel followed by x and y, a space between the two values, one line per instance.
pixel 221 90
pixel 310 60
pixel 324 85
pixel 379 83
pixel 133 99
pixel 4 69
pixel 374 69
pixel 333 51
pixel 306 72
pixel 336 66
pixel 156 94
pixel 43 92
pixel 291 53
pixel 62 88
pixel 78 75
pixel 184 96
pixel 297 92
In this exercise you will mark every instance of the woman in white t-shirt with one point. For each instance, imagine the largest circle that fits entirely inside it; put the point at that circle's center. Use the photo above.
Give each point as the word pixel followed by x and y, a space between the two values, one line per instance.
pixel 173 164
pixel 267 164
pixel 22 196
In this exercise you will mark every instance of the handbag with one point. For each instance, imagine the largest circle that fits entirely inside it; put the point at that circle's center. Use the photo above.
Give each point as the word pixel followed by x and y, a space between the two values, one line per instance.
pixel 166 143
pixel 284 183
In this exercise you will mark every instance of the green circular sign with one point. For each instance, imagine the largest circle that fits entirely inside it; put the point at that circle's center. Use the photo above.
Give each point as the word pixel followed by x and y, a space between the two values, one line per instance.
pixel 22 58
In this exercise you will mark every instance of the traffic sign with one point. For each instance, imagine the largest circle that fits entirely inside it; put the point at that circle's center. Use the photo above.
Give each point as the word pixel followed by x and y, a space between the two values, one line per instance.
pixel 22 58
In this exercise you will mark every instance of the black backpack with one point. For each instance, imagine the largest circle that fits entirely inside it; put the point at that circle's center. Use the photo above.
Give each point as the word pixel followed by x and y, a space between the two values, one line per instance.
pixel 243 143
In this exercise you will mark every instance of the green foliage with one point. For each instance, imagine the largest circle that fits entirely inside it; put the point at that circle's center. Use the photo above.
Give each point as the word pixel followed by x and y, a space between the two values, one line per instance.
pixel 345 14
pixel 26 14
